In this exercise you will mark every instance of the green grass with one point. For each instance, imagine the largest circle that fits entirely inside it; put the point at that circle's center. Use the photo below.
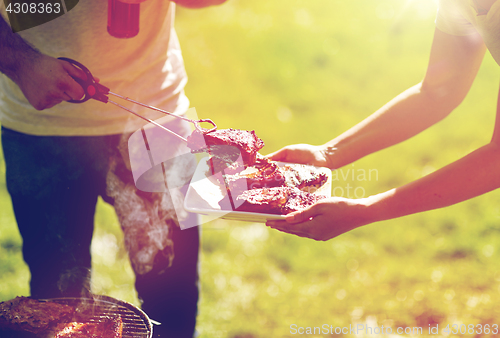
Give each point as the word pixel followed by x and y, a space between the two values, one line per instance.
pixel 303 72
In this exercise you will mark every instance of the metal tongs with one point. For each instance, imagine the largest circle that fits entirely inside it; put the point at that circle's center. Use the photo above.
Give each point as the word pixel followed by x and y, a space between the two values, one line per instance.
pixel 95 90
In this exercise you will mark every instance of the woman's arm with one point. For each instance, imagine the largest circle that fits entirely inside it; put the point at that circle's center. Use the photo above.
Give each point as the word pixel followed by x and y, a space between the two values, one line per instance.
pixel 453 65
pixel 471 176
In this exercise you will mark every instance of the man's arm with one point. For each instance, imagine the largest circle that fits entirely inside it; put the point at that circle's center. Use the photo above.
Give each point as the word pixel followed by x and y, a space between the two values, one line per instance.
pixel 15 52
pixel 453 65
pixel 45 81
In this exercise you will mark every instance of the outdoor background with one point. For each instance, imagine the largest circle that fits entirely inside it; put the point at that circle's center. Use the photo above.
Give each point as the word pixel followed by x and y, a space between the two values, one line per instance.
pixel 299 71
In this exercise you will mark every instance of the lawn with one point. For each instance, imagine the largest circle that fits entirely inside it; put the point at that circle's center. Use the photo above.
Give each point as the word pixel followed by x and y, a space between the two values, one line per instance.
pixel 301 71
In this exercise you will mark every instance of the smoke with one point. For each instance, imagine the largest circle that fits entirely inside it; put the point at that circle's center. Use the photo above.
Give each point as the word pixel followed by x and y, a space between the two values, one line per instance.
pixel 75 282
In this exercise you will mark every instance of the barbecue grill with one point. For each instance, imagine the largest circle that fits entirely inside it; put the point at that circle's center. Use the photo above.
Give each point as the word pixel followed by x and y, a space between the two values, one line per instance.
pixel 136 324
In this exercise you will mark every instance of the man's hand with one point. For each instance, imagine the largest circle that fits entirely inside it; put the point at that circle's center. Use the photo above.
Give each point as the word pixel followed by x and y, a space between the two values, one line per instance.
pixel 326 219
pixel 47 81
pixel 44 80
pixel 304 154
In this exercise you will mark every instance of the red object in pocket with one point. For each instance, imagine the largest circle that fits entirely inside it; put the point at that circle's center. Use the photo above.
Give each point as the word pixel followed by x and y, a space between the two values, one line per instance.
pixel 123 19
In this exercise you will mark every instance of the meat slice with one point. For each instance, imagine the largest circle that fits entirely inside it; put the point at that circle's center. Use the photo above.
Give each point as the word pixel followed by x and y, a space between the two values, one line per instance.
pixel 278 200
pixel 227 144
pixel 261 175
pixel 304 177
pixel 31 315
pixel 266 173
pixel 264 200
pixel 105 328
pixel 300 200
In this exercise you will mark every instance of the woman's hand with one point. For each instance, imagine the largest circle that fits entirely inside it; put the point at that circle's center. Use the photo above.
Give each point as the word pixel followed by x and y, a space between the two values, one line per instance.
pixel 326 219
pixel 304 154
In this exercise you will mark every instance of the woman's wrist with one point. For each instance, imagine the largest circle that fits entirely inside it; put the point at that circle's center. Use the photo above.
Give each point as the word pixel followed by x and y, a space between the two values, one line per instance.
pixel 375 207
pixel 336 155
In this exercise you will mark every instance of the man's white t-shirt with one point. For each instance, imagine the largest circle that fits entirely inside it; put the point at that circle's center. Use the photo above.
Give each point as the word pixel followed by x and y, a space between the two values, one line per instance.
pixel 147 68
pixel 464 18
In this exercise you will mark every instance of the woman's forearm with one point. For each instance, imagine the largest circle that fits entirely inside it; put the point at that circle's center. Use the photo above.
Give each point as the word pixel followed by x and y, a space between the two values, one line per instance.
pixel 453 65
pixel 471 176
pixel 403 117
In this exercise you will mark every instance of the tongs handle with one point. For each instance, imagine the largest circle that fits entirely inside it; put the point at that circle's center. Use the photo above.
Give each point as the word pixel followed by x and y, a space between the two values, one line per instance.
pixel 96 91
pixel 195 122
pixel 91 88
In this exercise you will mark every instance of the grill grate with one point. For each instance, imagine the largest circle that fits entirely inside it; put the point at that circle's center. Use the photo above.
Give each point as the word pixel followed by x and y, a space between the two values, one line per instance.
pixel 136 323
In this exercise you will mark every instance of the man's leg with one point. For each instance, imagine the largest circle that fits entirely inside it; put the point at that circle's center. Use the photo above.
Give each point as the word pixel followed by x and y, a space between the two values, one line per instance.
pixel 54 183
pixel 170 294
pixel 171 297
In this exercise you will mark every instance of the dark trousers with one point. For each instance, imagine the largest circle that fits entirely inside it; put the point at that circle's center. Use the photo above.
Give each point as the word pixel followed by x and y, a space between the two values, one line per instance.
pixel 54 183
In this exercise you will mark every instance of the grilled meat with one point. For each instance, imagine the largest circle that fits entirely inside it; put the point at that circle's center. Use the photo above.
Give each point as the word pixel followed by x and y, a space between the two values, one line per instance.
pixel 300 200
pixel 30 315
pixel 266 187
pixel 264 200
pixel 261 175
pixel 277 200
pixel 105 328
pixel 227 144
pixel 267 174
pixel 304 177
pixel 258 184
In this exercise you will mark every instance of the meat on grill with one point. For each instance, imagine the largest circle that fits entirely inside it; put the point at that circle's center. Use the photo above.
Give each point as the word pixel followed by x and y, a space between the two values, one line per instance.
pixel 277 200
pixel 25 316
pixel 227 144
pixel 105 328
pixel 31 315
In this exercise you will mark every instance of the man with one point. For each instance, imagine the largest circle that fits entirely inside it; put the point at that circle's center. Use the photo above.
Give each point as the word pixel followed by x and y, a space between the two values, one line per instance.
pixel 465 28
pixel 58 155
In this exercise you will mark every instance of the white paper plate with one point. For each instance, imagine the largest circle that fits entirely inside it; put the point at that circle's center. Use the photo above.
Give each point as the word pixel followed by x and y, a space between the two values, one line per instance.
pixel 204 194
